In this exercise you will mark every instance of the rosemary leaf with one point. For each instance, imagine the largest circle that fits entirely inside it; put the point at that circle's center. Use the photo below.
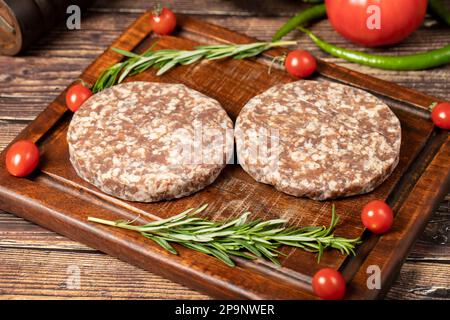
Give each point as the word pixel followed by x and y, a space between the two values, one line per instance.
pixel 250 248
pixel 197 247
pixel 167 67
pixel 161 241
pixel 126 53
pixel 268 254
pixel 241 254
pixel 219 254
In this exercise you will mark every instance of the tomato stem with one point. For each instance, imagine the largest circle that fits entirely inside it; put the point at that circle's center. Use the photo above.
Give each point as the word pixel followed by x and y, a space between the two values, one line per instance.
pixel 431 106
pixel 84 83
pixel 157 9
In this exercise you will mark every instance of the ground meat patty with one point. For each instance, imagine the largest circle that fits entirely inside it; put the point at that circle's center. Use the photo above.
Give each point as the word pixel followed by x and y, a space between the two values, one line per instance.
pixel 143 141
pixel 318 139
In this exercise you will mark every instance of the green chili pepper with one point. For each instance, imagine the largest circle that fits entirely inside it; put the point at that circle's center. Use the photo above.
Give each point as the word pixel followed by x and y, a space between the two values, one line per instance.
pixel 419 61
pixel 440 10
pixel 301 18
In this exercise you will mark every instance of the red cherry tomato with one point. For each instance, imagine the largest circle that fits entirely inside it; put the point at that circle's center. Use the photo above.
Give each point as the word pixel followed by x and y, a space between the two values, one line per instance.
pixel 329 284
pixel 300 63
pixel 441 115
pixel 22 158
pixel 164 22
pixel 377 216
pixel 76 96
pixel 356 20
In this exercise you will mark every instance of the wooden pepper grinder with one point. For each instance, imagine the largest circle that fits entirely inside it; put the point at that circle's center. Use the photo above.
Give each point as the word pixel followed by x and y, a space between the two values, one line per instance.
pixel 23 21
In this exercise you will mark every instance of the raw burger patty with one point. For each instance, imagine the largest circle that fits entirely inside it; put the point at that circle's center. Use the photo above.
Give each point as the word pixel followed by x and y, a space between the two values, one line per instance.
pixel 126 141
pixel 323 140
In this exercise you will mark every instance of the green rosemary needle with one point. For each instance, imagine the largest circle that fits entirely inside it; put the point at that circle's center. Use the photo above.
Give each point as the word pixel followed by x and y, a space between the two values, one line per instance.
pixel 166 59
pixel 238 237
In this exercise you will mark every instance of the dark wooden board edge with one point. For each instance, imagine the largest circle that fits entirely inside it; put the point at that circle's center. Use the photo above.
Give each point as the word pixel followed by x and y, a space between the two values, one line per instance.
pixel 139 30
pixel 409 223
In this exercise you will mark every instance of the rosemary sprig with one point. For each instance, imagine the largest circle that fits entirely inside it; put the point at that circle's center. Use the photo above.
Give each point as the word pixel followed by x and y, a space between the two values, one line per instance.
pixel 166 59
pixel 239 237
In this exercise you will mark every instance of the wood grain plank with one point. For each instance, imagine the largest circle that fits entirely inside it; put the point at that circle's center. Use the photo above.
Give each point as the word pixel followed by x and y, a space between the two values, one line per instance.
pixel 211 7
pixel 43 274
pixel 9 130
pixel 431 282
pixel 434 243
pixel 16 232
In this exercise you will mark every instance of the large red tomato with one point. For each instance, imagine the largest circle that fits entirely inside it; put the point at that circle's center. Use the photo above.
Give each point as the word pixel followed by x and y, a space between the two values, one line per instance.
pixel 376 22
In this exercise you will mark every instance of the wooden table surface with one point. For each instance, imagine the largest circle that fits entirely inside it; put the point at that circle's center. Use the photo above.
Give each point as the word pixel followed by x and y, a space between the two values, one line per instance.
pixel 36 263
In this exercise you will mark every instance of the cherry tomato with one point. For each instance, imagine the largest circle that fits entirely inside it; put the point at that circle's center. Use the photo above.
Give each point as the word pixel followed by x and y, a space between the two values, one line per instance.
pixel 357 20
pixel 300 63
pixel 441 115
pixel 22 158
pixel 377 216
pixel 76 96
pixel 163 22
pixel 329 284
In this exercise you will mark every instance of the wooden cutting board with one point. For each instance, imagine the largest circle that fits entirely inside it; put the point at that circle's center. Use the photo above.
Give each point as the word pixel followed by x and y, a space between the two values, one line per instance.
pixel 57 199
